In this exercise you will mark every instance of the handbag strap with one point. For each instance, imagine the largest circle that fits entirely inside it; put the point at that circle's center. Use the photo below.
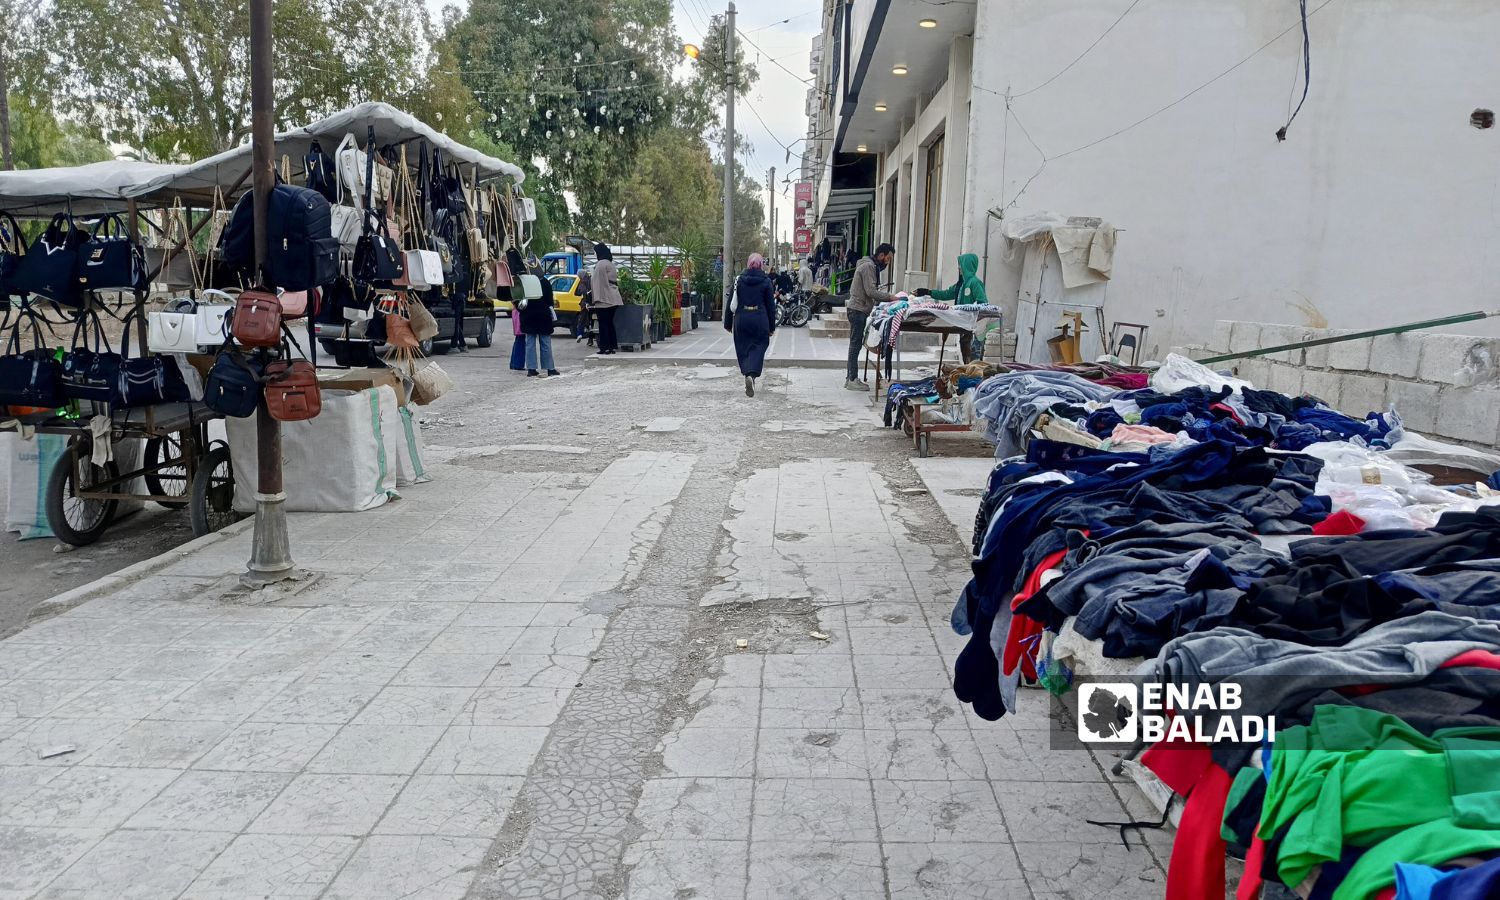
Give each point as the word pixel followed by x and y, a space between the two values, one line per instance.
pixel 369 168
pixel 81 330
pixel 11 238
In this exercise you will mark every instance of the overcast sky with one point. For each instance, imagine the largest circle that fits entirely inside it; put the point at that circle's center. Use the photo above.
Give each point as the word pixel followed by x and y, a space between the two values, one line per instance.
pixel 779 94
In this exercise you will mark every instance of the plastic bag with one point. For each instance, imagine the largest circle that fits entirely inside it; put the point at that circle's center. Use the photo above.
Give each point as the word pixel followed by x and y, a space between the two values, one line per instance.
pixel 1179 372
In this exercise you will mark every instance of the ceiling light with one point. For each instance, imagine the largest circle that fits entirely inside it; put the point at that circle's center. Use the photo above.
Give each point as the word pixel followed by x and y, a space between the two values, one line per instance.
pixel 862 149
pixel 898 70
pixel 880 107
pixel 928 23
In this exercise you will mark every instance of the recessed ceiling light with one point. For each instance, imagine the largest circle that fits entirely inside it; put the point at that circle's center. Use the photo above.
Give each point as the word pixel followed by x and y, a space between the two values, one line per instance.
pixel 898 70
pixel 862 149
pixel 880 107
pixel 928 23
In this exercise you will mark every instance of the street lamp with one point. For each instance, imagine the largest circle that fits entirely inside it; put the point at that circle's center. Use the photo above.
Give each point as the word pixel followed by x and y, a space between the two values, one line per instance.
pixel 691 51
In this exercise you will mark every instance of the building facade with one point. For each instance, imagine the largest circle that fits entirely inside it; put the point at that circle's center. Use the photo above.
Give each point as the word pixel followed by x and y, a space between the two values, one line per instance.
pixel 931 123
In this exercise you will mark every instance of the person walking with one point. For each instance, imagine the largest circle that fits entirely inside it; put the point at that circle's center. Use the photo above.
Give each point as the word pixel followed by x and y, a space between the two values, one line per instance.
pixel 864 293
pixel 607 299
pixel 752 320
pixel 583 326
pixel 805 276
pixel 537 322
pixel 517 349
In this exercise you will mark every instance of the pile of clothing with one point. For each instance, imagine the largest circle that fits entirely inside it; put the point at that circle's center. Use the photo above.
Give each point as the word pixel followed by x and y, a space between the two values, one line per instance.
pixel 1226 551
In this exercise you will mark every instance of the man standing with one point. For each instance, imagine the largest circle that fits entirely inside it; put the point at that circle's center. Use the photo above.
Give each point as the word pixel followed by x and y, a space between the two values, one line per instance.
pixel 805 276
pixel 864 293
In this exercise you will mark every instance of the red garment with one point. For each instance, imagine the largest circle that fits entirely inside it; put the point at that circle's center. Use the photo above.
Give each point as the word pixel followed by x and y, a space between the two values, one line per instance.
pixel 1473 659
pixel 1025 632
pixel 1341 522
pixel 1228 410
pixel 1250 882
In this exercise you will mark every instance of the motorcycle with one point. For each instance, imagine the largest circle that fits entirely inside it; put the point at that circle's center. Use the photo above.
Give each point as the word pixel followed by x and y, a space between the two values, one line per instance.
pixel 794 309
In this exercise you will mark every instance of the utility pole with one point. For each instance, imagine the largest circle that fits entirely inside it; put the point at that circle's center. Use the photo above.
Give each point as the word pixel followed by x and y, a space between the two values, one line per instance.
pixel 771 211
pixel 729 58
pixel 271 552
pixel 7 161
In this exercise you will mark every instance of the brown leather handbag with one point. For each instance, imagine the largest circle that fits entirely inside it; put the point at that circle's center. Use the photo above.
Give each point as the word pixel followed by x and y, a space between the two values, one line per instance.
pixel 256 319
pixel 292 392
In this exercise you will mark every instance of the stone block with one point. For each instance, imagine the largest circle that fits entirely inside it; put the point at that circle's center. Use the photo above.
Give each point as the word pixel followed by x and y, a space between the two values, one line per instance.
pixel 1317 357
pixel 1275 335
pixel 1459 360
pixel 1244 336
pixel 1350 356
pixel 1395 354
pixel 1219 343
pixel 1469 414
pixel 1323 385
pixel 1284 379
pixel 1360 395
pixel 1417 403
pixel 1254 370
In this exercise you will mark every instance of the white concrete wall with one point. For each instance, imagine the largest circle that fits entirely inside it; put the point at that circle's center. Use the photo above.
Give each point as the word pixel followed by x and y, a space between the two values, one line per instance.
pixel 1383 206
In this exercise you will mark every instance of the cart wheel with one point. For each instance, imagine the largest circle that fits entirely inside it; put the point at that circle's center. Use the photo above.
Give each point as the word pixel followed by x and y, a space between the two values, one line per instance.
pixel 924 445
pixel 211 505
pixel 73 519
pixel 171 481
pixel 800 316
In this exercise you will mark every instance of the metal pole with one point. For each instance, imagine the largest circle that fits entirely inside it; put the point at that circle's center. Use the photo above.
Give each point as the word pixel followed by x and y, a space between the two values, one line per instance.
pixel 271 552
pixel 7 160
pixel 1356 335
pixel 729 155
pixel 771 212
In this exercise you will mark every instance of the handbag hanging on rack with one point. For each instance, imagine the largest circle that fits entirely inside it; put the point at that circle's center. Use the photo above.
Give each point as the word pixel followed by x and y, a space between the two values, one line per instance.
pixel 50 267
pixel 146 380
pixel 12 251
pixel 109 260
pixel 377 259
pixel 33 377
pixel 256 319
pixel 173 330
pixel 91 372
pixel 233 386
pixel 319 170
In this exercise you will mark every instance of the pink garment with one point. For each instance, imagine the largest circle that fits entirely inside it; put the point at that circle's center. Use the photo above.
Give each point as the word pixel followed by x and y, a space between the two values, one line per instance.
pixel 1140 434
pixel 1127 381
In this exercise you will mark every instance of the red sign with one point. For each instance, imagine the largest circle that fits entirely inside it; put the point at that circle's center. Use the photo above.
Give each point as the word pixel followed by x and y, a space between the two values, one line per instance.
pixel 802 241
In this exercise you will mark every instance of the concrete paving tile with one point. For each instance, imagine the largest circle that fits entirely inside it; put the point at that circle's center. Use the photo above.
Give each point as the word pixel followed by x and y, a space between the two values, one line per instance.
pixel 923 755
pixel 741 670
pixel 419 612
pixel 887 708
pixel 139 865
pixel 332 703
pixel 531 706
pixel 400 867
pixel 811 708
pixel 818 752
pixel 536 670
pixel 33 737
pixel 814 870
pixel 31 857
pixel 485 750
pixel 120 700
pixel 514 615
pixel 34 697
pixel 900 640
pixel 1055 811
pixel 352 667
pixel 888 672
pixel 478 639
pixel 391 640
pixel 695 868
pixel 238 636
pixel 414 705
pixel 218 701
pixel 709 752
pixel 783 670
pixel 159 744
pixel 452 805
pixel 695 809
pixel 16 658
pixel 211 801
pixel 283 867
pixel 19 782
pixel 329 804
pixel 553 641
pixel 725 708
pixel 1066 869
pixel 377 749
pixel 927 812
pixel 447 669
pixel 268 747
pixel 1011 755
pixel 951 870
pixel 267 665
pixel 814 809
pixel 88 797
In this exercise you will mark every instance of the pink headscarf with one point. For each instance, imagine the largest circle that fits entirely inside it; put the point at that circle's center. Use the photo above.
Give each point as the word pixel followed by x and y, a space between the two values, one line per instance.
pixel 757 261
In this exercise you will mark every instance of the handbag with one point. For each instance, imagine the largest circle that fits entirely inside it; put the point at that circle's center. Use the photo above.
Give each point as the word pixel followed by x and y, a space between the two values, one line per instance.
pixel 32 378
pixel 172 332
pixel 109 260
pixel 50 267
pixel 291 390
pixel 423 323
pixel 293 304
pixel 256 319
pixel 91 372
pixel 12 249
pixel 146 380
pixel 531 287
pixel 378 261
pixel 233 386
pixel 429 383
pixel 212 317
pixel 319 169
pixel 393 318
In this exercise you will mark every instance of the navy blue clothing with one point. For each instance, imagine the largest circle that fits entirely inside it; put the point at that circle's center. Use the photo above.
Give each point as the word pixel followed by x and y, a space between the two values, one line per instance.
pixel 753 321
pixel 1482 882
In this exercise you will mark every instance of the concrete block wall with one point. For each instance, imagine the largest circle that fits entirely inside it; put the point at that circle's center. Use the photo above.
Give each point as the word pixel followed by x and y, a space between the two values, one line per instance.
pixel 1445 385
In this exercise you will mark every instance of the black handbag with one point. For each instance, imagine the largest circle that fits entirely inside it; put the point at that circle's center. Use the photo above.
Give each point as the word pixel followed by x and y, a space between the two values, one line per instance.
pixel 50 267
pixel 12 249
pixel 146 380
pixel 321 174
pixel 233 387
pixel 90 372
pixel 109 260
pixel 32 378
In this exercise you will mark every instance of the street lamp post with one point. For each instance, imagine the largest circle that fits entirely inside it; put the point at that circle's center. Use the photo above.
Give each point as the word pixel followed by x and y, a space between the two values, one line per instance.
pixel 728 155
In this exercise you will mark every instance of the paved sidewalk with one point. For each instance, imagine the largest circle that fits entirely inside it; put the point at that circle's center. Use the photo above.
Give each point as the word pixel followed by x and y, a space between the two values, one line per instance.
pixel 790 347
pixel 523 681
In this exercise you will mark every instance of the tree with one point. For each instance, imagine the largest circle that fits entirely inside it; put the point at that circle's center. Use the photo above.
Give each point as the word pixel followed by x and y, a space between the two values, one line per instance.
pixel 749 213
pixel 172 76
pixel 701 106
pixel 670 188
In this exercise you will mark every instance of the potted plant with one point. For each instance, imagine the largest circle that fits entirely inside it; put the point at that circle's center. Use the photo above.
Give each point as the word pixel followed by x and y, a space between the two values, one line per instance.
pixel 633 320
pixel 659 291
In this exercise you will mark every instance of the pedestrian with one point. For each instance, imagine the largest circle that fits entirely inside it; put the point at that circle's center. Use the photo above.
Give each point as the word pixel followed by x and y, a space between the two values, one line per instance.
pixel 537 320
pixel 583 327
pixel 607 299
pixel 784 283
pixel 805 276
pixel 864 293
pixel 518 348
pixel 752 320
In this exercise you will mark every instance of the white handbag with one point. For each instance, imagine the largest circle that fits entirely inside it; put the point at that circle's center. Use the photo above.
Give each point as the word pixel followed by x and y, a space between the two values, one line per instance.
pixel 416 271
pixel 172 332
pixel 531 287
pixel 211 316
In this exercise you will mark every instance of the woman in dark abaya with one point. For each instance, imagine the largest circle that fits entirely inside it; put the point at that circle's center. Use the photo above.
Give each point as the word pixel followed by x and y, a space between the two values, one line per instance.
pixel 752 320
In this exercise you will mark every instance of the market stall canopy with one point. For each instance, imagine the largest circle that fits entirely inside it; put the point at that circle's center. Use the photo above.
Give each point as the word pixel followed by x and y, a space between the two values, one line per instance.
pixel 85 190
pixel 196 181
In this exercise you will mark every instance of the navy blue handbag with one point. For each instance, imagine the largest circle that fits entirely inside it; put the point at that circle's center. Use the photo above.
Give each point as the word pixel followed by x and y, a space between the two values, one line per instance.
pixel 109 260
pixel 90 372
pixel 50 267
pixel 33 377
pixel 12 249
pixel 234 384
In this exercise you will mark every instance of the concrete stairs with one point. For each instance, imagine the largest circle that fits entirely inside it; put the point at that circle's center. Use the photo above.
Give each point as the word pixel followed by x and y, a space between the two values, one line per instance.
pixel 835 325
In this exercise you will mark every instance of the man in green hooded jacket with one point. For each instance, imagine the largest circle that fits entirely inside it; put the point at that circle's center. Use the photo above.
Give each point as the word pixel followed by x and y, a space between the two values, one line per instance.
pixel 968 288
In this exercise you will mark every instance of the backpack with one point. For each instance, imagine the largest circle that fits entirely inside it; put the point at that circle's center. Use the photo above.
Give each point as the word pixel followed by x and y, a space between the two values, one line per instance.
pixel 302 251
pixel 320 171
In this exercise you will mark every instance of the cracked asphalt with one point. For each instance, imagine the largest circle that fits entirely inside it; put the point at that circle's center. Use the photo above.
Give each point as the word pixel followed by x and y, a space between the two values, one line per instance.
pixel 586 660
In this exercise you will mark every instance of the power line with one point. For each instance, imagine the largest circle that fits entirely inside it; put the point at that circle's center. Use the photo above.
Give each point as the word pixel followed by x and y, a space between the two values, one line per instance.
pixel 1085 52
pixel 786 20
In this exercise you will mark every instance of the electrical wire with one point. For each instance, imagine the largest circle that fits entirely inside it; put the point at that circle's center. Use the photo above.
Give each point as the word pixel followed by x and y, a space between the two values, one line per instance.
pixel 1306 73
pixel 1085 52
pixel 786 20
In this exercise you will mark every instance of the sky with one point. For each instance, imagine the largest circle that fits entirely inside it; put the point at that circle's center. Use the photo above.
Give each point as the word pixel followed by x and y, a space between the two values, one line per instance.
pixel 778 95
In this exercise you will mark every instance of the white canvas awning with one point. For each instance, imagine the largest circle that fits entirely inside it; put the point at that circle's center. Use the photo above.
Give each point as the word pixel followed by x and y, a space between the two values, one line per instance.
pixel 108 186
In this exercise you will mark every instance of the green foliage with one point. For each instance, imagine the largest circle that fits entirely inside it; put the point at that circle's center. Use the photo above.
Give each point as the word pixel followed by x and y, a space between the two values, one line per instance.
pixel 702 102
pixel 667 190
pixel 658 291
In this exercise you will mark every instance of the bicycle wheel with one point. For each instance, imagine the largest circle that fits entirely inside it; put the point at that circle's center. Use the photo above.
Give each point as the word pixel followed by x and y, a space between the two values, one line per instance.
pixel 73 519
pixel 211 505
pixel 800 316
pixel 171 480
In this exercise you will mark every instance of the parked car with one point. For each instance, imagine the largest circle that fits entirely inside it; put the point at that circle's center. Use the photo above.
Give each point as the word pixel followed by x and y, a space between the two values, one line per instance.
pixel 567 298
